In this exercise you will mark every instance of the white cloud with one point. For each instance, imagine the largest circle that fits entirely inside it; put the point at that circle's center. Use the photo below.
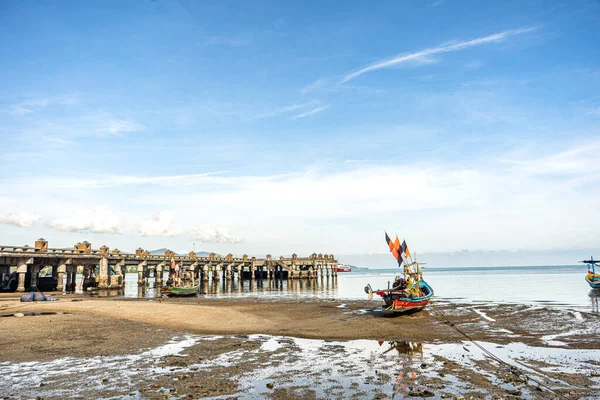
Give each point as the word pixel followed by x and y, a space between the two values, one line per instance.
pixel 123 180
pixel 594 111
pixel 119 127
pixel 34 104
pixel 161 224
pixel 313 86
pixel 100 219
pixel 514 200
pixel 285 110
pixel 424 56
pixel 309 113
pixel 22 219
pixel 17 110
pixel 212 234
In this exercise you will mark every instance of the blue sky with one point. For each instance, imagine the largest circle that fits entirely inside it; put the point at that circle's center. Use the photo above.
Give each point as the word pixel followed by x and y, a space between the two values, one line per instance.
pixel 279 127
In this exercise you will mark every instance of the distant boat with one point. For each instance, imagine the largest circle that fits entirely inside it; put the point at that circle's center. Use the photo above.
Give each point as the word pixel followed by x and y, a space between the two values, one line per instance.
pixel 592 278
pixel 408 294
pixel 343 268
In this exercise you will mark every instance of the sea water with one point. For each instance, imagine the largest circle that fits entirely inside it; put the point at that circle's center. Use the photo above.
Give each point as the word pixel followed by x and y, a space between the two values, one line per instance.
pixel 560 286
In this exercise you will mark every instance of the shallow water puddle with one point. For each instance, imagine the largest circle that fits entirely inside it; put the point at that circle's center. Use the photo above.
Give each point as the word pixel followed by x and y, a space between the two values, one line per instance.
pixel 287 367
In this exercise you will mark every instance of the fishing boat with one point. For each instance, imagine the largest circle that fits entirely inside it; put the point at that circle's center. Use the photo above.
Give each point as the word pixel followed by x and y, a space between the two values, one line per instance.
pixel 592 278
pixel 408 294
pixel 343 268
pixel 181 291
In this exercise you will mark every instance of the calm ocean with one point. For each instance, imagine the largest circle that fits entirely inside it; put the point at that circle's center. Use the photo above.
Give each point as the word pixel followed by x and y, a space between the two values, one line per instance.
pixel 560 286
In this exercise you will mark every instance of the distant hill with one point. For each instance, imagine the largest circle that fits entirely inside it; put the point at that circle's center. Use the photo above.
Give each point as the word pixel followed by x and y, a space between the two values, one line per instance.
pixel 161 252
pixel 355 268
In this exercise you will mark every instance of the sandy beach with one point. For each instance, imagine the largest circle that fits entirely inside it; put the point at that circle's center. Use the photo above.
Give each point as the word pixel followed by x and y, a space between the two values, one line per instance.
pixel 83 328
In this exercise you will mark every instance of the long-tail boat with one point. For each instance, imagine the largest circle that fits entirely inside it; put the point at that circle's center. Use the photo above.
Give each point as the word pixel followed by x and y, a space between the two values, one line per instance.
pixel 408 294
pixel 592 278
pixel 181 291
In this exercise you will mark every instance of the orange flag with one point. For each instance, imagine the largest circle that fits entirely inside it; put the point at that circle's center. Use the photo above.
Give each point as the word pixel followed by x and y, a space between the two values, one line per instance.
pixel 397 243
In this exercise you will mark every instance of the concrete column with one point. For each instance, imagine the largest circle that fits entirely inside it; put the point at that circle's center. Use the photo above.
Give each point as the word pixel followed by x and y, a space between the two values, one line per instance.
pixel 141 275
pixel 78 286
pixel 104 274
pixel 300 273
pixel 216 276
pixel 69 287
pixel 118 280
pixel 35 270
pixel 252 266
pixel 240 272
pixel 22 270
pixel 159 275
pixel 228 273
pixel 205 273
pixel 62 268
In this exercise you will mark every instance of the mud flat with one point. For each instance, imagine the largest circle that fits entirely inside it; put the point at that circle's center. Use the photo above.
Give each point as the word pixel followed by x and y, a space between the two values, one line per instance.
pixel 247 348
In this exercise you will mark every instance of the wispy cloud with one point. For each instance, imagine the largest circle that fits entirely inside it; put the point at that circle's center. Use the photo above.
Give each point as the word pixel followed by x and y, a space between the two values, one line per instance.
pixel 313 86
pixel 34 104
pixel 309 113
pixel 436 3
pixel 233 41
pixel 124 180
pixel 594 111
pixel 119 127
pixel 426 55
pixel 285 110
pixel 474 64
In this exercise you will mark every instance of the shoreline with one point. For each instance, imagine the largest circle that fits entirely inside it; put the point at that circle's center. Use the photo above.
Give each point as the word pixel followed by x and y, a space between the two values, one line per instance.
pixel 231 341
pixel 309 318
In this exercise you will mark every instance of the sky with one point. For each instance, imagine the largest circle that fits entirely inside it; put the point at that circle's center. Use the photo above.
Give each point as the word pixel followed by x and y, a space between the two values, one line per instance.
pixel 275 127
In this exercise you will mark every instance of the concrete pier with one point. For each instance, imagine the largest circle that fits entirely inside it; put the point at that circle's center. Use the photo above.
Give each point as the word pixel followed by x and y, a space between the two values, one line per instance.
pixel 105 269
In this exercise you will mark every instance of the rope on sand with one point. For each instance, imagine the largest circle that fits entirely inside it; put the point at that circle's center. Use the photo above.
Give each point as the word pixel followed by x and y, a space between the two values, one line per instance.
pixel 515 370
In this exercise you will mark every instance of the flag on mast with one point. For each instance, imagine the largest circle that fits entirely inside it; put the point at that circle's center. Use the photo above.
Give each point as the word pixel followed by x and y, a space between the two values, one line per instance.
pixel 405 251
pixel 397 243
pixel 393 249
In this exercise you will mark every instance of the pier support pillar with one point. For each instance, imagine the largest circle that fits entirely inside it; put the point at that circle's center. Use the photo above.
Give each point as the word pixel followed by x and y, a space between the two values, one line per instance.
pixel 103 277
pixel 78 286
pixel 159 275
pixel 69 287
pixel 141 273
pixel 117 281
pixel 252 266
pixel 205 273
pixel 240 272
pixel 228 272
pixel 22 271
pixel 62 268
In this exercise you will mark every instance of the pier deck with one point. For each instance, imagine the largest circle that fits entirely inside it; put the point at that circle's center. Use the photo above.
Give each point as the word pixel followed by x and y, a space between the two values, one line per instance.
pixel 105 269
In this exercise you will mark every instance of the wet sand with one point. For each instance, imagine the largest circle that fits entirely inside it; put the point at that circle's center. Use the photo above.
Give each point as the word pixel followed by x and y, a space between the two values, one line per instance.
pixel 84 328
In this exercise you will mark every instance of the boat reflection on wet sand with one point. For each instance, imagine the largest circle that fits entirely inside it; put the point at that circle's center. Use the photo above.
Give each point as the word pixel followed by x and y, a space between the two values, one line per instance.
pixel 282 367
pixel 594 297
